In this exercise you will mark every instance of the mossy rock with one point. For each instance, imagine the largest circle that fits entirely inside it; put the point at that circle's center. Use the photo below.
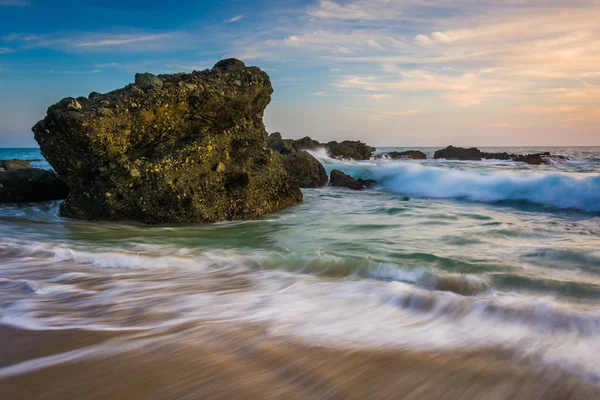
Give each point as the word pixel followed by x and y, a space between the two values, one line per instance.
pixel 193 149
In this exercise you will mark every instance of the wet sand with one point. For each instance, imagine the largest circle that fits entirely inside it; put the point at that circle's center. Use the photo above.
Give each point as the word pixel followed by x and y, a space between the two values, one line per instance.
pixel 217 361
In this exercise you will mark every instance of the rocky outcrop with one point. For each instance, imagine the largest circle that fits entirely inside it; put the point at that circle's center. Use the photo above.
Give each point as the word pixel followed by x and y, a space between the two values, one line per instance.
pixel 474 154
pixel 169 148
pixel 405 155
pixel 339 179
pixel 303 169
pixel 14 164
pixel 31 185
pixel 354 150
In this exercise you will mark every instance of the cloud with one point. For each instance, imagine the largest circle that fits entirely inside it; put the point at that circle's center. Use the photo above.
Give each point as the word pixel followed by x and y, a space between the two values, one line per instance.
pixel 320 93
pixel 15 3
pixel 358 10
pixel 5 50
pixel 117 40
pixel 379 96
pixel 234 19
pixel 71 72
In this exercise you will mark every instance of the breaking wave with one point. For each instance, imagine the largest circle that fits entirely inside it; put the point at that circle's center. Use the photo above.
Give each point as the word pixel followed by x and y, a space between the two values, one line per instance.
pixel 549 190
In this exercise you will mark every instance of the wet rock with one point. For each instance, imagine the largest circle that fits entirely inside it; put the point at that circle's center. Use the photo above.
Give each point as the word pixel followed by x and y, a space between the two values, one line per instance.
pixel 306 143
pixel 474 154
pixel 339 179
pixel 410 155
pixel 354 150
pixel 459 153
pixel 304 170
pixel 192 149
pixel 14 164
pixel 31 185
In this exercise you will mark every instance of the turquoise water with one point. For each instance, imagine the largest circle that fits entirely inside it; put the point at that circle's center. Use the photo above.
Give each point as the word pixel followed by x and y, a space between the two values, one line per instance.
pixel 443 254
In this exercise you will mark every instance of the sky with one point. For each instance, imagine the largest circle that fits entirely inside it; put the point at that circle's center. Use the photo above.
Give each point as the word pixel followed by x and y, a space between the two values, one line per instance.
pixel 387 72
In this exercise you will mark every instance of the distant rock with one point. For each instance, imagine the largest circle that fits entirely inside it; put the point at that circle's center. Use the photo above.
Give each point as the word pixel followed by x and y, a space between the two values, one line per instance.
pixel 354 150
pixel 31 185
pixel 14 164
pixel 283 146
pixel 474 154
pixel 459 153
pixel 408 155
pixel 170 148
pixel 339 179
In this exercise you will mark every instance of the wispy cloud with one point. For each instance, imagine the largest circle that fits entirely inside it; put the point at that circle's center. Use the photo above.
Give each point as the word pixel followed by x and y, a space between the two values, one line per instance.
pixel 72 72
pixel 319 93
pixel 118 40
pixel 5 50
pixel 234 19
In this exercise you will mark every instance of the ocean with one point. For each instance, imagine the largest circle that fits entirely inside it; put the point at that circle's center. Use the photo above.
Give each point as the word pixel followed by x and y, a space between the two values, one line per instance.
pixel 456 278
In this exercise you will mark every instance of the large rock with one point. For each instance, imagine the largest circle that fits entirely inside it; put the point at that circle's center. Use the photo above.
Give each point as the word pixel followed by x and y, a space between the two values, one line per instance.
pixel 303 169
pixel 191 149
pixel 31 185
pixel 339 179
pixel 14 164
pixel 354 150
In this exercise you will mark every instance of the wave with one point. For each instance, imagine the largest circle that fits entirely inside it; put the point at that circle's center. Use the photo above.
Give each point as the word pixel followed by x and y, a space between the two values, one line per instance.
pixel 549 190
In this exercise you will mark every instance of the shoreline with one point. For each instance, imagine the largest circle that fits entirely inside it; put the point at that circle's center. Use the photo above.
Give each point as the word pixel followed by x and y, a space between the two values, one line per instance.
pixel 215 361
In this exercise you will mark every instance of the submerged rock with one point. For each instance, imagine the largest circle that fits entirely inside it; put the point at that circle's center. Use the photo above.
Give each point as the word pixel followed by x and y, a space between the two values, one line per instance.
pixel 31 185
pixel 474 154
pixel 14 164
pixel 339 179
pixel 354 150
pixel 303 169
pixel 191 149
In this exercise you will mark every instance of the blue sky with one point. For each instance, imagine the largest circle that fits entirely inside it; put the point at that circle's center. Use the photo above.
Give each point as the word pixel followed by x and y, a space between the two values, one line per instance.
pixel 389 72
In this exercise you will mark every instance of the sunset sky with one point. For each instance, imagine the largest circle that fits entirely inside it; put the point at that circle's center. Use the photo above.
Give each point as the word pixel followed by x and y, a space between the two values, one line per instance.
pixel 391 73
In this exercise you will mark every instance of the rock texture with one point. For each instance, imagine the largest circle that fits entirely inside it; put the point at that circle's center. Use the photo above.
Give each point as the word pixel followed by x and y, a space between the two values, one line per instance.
pixel 169 148
pixel 339 179
pixel 474 154
pixel 408 155
pixel 31 185
pixel 354 150
pixel 303 169
pixel 14 164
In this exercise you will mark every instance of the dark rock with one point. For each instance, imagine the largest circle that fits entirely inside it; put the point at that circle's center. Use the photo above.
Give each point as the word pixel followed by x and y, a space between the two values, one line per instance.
pixel 354 150
pixel 304 170
pixel 148 81
pixel 93 95
pixel 410 155
pixel 306 143
pixel 31 185
pixel 283 146
pixel 339 179
pixel 14 164
pixel 194 149
pixel 230 65
pixel 459 153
